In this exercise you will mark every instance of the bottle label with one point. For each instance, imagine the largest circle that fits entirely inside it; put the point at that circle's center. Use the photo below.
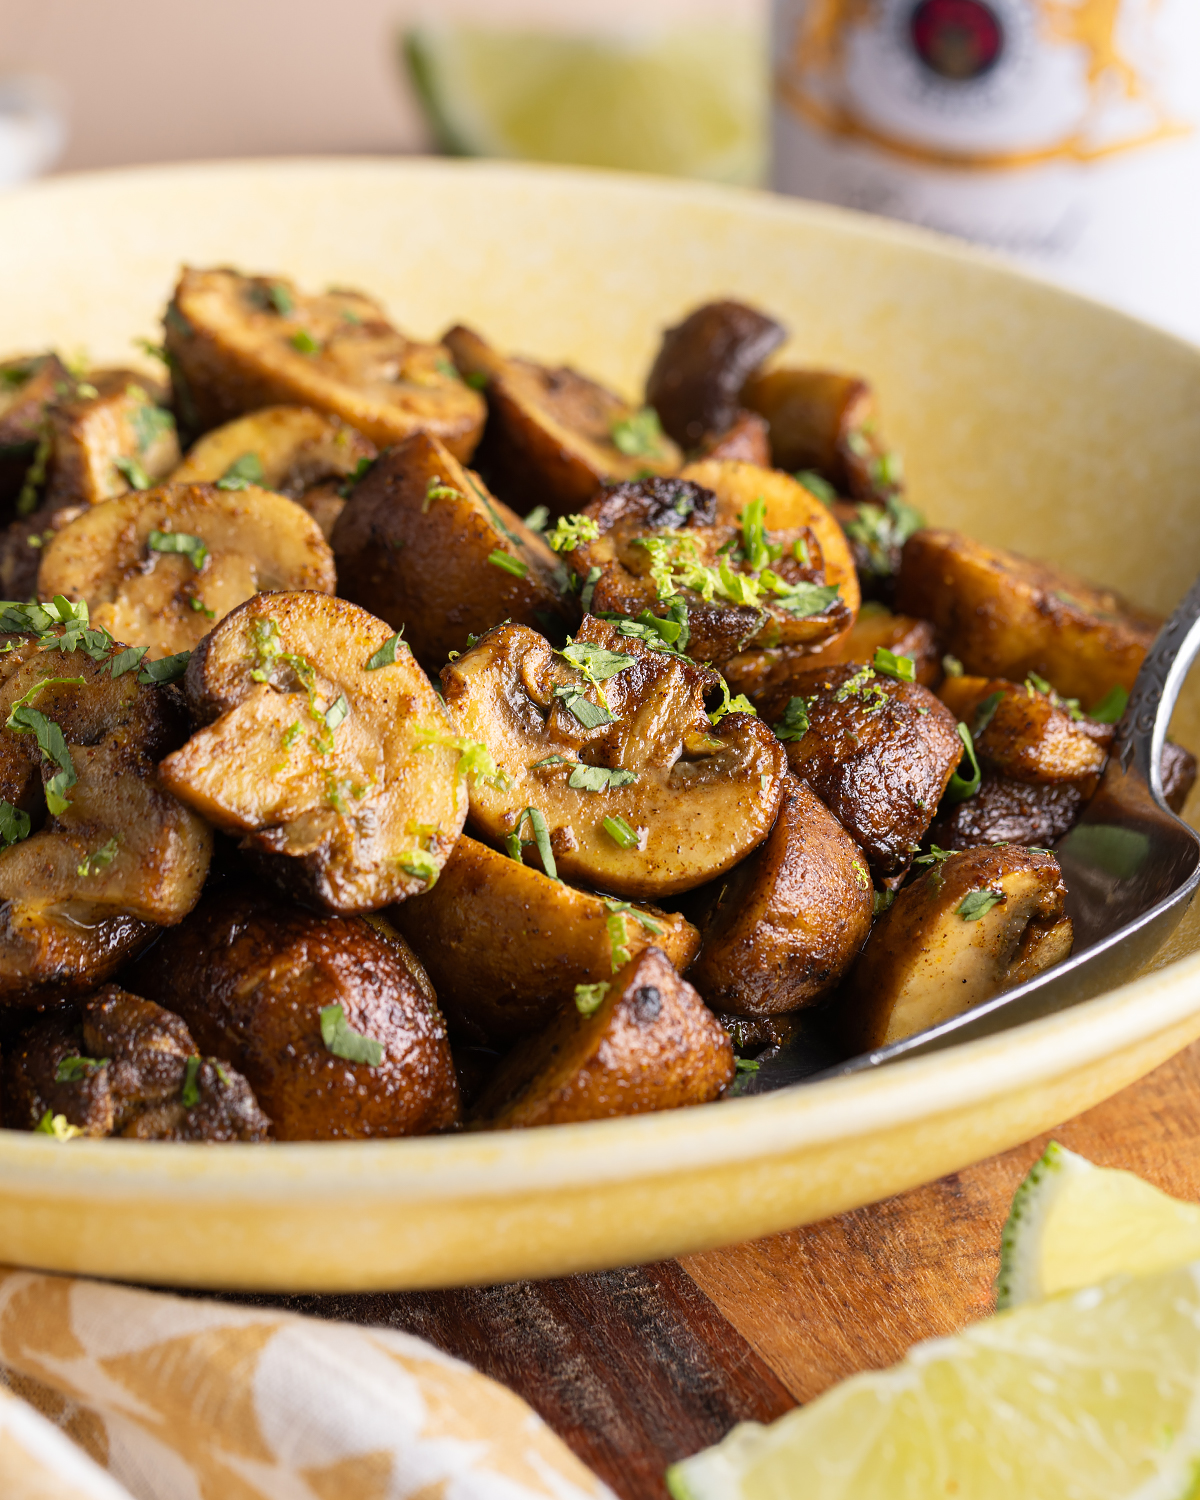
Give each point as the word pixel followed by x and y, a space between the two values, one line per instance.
pixel 1062 130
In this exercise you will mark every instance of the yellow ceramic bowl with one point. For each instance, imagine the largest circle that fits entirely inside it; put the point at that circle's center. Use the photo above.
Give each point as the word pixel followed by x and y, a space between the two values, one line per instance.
pixel 1026 416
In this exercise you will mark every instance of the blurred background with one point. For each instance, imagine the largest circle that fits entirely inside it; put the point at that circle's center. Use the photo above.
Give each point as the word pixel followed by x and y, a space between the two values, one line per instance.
pixel 1065 133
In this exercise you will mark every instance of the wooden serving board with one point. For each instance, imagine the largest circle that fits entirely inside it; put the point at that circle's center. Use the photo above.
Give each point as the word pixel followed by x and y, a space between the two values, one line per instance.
pixel 638 1367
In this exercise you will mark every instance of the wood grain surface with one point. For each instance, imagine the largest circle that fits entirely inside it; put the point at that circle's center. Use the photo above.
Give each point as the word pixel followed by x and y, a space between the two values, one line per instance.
pixel 638 1367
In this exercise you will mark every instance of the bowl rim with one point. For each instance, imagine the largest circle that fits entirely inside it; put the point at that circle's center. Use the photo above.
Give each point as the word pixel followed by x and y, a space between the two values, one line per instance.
pixel 495 1165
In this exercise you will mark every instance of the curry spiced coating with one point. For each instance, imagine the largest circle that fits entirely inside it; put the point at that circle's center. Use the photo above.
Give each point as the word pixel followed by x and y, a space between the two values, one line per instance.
pixel 239 343
pixel 98 852
pixel 123 1066
pixel 786 924
pixel 643 1041
pixel 331 1019
pixel 1007 811
pixel 504 944
pixel 877 751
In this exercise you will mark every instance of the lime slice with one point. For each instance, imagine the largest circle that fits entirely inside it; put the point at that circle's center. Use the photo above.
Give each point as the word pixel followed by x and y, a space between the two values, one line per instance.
pixel 1092 1395
pixel 688 101
pixel 1073 1224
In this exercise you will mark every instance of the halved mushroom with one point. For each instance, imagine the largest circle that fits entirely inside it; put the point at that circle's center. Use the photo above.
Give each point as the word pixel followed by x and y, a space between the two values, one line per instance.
pixel 331 1019
pixel 125 1067
pixel 1028 733
pixel 157 567
pixel 295 451
pixel 755 673
pixel 504 944
pixel 877 751
pixel 702 365
pixel 27 386
pixel 743 548
pixel 644 1041
pixel 99 853
pixel 244 342
pixel 109 433
pixel 825 422
pixel 424 545
pixel 1005 616
pixel 788 922
pixel 324 745
pixel 975 924
pixel 553 436
pixel 610 759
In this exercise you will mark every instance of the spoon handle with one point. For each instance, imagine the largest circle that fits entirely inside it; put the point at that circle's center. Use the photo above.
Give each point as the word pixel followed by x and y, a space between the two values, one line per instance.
pixel 1138 742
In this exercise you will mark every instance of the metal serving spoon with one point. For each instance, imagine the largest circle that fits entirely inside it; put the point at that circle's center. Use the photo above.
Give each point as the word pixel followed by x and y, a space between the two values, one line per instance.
pixel 1131 868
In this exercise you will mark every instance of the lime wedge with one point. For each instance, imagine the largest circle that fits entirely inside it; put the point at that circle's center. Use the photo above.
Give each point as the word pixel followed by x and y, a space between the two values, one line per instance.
pixel 688 101
pixel 1073 1224
pixel 1092 1395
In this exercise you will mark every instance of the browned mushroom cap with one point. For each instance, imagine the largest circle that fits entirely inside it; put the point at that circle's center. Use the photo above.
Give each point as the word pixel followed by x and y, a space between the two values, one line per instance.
pixel 1007 811
pixel 745 549
pixel 325 745
pixel 826 423
pixel 973 925
pixel 27 386
pixel 260 982
pixel 554 437
pixel 242 342
pixel 789 921
pixel 157 567
pixel 126 1067
pixel 116 854
pixel 1004 616
pixel 650 1043
pixel 652 799
pixel 877 752
pixel 424 545
pixel 109 433
pixel 504 944
pixel 304 454
pixel 755 673
pixel 1023 732
pixel 702 365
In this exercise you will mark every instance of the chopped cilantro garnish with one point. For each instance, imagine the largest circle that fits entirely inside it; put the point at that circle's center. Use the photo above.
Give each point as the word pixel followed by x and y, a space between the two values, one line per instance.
pixel 959 788
pixel 508 563
pixel 615 922
pixel 361 469
pixel 303 342
pixel 569 532
pixel 281 300
pixel 537 518
pixel 190 1095
pixel 589 588
pixel 817 486
pixel 590 997
pixel 476 379
pixel 803 600
pixel 639 435
pixel 58 1126
pixel 474 757
pixel 902 668
pixel 860 874
pixel 437 490
pixel 880 902
pixel 132 472
pixel 35 474
pixel 102 858
pixel 590 715
pixel 541 837
pixel 386 655
pixel 952 666
pixel 1037 684
pixel 595 662
pixel 986 712
pixel 730 705
pixel 974 905
pixel 76 1069
pixel 1111 707
pixel 179 541
pixel 14 824
pixel 343 1041
pixel 935 856
pixel 291 734
pixel 854 685
pixel 245 470
pixel 420 864
pixel 598 778
pixel 881 530
pixel 23 719
pixel 337 712
pixel 149 423
pixel 757 551
pixel 201 608
pixel 166 669
pixel 620 832
pixel 794 724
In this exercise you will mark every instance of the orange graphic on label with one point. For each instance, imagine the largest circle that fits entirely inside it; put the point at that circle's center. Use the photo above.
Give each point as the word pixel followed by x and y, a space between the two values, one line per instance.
pixel 958 41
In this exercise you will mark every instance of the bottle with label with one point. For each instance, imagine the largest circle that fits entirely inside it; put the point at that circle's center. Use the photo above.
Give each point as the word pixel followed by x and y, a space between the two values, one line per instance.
pixel 1065 132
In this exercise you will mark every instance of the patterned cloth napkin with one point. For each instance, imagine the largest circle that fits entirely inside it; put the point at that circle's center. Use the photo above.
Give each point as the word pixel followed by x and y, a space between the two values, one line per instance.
pixel 112 1394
